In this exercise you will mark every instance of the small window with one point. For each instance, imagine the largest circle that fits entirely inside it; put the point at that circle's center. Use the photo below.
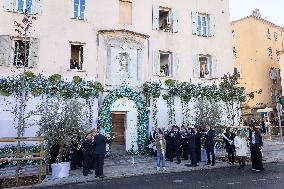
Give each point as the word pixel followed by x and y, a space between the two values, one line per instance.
pixel 24 6
pixel 21 53
pixel 275 36
pixel 165 64
pixel 233 33
pixel 79 7
pixel 125 12
pixel 202 25
pixel 205 66
pixel 268 34
pixel 165 22
pixel 270 54
pixel 77 57
pixel 234 51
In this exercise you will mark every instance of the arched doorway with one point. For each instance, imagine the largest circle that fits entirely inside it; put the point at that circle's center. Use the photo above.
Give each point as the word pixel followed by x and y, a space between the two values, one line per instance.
pixel 105 116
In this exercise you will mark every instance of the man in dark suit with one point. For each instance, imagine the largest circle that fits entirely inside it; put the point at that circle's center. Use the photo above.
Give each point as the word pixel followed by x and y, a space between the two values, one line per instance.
pixel 209 136
pixel 192 146
pixel 100 142
pixel 256 143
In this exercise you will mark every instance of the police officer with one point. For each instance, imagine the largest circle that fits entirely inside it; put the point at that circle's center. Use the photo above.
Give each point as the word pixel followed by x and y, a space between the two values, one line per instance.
pixel 192 146
pixel 169 143
pixel 184 142
pixel 88 147
pixel 176 139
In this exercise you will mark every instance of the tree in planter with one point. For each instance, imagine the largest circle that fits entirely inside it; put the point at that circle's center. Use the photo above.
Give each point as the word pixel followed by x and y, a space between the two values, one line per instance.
pixel 62 121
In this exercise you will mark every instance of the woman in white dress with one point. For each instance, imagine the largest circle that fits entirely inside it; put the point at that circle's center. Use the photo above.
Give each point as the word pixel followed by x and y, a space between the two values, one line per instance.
pixel 240 143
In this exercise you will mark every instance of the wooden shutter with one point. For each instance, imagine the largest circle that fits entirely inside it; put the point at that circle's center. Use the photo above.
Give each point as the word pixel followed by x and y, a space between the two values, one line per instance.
pixel 9 5
pixel 34 52
pixel 176 65
pixel 212 25
pixel 175 16
pixel 155 14
pixel 36 8
pixel 214 67
pixel 156 63
pixel 194 22
pixel 196 66
pixel 5 50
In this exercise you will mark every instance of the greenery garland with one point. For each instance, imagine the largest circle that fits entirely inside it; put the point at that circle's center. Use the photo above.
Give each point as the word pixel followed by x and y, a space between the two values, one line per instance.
pixel 54 84
pixel 105 120
pixel 152 89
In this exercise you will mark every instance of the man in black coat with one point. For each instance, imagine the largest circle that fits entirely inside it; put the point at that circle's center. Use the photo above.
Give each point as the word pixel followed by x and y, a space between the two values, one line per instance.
pixel 88 147
pixel 169 144
pixel 184 142
pixel 192 146
pixel 100 142
pixel 209 136
pixel 176 138
pixel 256 143
pixel 198 137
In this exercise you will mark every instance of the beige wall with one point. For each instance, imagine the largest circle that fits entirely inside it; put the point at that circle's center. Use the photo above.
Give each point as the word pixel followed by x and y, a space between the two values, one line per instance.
pixel 252 45
pixel 56 30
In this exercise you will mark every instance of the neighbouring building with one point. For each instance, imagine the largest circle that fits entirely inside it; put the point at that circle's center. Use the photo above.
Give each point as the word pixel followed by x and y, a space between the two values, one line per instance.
pixel 121 43
pixel 281 64
pixel 256 42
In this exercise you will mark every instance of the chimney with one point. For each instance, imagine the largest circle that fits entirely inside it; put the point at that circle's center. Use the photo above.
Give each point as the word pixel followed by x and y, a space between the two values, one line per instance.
pixel 256 13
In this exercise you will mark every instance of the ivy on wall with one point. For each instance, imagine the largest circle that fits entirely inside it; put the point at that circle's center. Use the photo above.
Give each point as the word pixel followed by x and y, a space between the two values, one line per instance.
pixel 54 84
pixel 226 92
pixel 152 89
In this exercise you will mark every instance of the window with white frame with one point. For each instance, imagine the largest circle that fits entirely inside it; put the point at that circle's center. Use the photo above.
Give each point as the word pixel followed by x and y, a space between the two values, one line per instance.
pixel 77 57
pixel 203 24
pixel 79 9
pixel 23 6
pixel 205 66
pixel 21 53
pixel 165 19
pixel 270 53
pixel 165 64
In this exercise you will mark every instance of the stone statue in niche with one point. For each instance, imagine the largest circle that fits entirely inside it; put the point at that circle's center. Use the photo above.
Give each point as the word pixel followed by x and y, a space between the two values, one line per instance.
pixel 124 59
pixel 123 62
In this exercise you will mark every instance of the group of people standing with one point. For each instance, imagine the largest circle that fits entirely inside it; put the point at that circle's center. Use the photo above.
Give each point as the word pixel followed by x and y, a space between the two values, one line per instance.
pixel 94 150
pixel 182 142
pixel 238 144
pixel 176 142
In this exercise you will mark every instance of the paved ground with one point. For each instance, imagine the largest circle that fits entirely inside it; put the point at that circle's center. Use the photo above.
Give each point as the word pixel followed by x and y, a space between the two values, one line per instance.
pixel 121 167
pixel 220 178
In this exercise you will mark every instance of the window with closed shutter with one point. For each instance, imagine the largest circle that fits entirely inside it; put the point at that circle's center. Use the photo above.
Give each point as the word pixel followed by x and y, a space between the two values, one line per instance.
pixel 125 12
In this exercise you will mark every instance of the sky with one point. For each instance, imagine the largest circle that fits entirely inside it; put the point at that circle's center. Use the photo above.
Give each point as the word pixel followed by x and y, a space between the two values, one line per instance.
pixel 271 10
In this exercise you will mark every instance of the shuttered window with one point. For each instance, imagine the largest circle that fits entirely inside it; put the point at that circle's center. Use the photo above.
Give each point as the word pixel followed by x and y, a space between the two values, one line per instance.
pixel 125 12
pixel 23 6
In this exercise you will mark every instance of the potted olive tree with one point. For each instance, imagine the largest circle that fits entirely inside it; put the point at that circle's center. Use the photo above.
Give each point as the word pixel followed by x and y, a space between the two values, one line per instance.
pixel 61 122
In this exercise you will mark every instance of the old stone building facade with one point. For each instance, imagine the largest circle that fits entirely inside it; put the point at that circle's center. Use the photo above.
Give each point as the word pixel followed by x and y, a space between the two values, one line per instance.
pixel 121 43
